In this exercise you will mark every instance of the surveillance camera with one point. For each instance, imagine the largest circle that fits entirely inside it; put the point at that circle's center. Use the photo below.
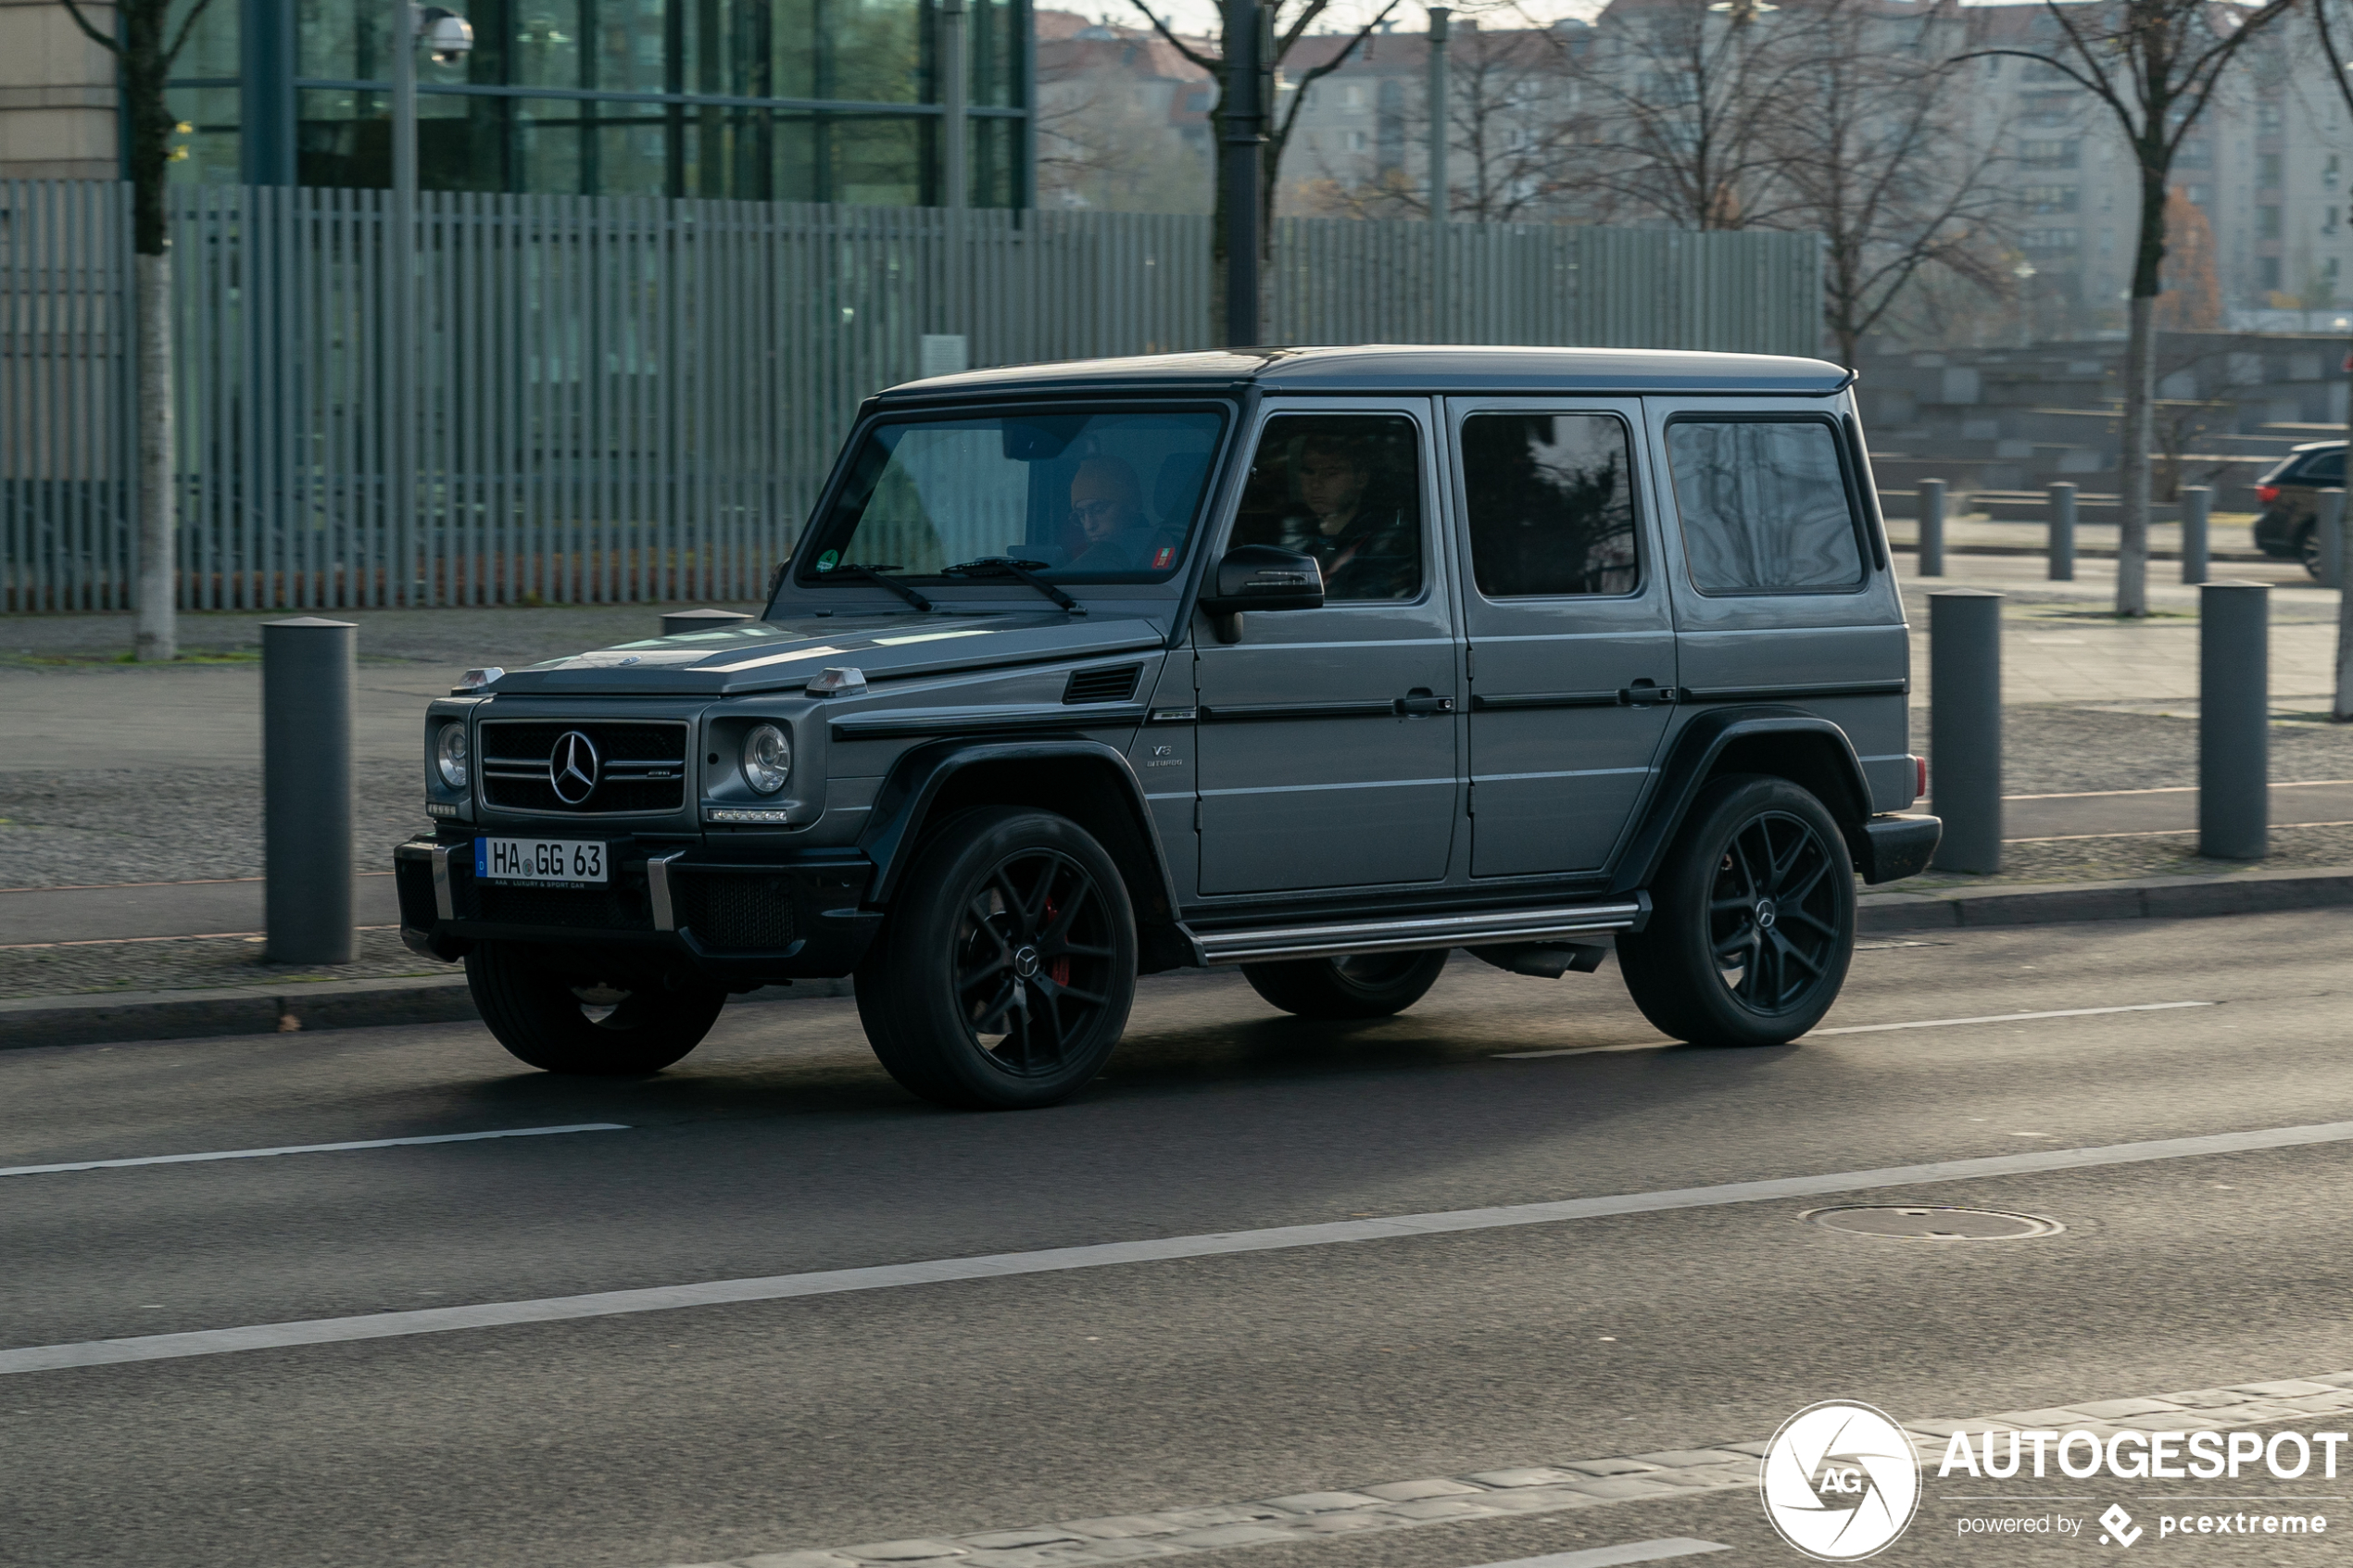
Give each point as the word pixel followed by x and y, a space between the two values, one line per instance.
pixel 446 36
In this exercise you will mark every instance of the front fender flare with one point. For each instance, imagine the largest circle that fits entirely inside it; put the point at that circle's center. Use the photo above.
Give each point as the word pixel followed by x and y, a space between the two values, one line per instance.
pixel 1694 756
pixel 919 775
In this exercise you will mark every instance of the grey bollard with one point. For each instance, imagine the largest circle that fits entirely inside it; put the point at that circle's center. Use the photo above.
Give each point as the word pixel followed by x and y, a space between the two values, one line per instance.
pixel 677 621
pixel 2328 531
pixel 305 789
pixel 2233 728
pixel 2062 532
pixel 1965 726
pixel 2198 507
pixel 1932 528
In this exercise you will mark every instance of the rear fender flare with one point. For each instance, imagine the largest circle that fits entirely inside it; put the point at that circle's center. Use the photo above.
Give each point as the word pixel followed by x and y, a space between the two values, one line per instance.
pixel 1832 772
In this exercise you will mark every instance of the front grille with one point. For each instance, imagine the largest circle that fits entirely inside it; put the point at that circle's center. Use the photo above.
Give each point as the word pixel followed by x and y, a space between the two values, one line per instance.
pixel 642 766
pixel 585 909
pixel 1115 685
pixel 751 912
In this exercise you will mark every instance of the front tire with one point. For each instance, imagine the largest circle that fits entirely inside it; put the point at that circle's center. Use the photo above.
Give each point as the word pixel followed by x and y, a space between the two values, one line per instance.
pixel 1004 976
pixel 1359 986
pixel 1752 919
pixel 547 1021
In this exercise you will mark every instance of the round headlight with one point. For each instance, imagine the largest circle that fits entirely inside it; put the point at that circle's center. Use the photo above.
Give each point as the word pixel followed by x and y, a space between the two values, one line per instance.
pixel 767 759
pixel 450 754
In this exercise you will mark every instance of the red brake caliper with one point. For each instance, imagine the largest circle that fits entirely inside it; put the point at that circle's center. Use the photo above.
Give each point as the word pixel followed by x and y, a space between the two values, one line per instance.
pixel 1058 971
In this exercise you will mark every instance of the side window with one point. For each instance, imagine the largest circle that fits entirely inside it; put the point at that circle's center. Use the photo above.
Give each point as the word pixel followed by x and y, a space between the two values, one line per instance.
pixel 1551 504
pixel 1764 506
pixel 1345 488
pixel 2326 469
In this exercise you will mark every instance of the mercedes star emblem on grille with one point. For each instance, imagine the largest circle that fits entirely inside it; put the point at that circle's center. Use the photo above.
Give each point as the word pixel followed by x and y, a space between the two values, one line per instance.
pixel 571 767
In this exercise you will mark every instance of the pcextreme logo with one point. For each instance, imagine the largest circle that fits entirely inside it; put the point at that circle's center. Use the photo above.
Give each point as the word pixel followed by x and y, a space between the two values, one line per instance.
pixel 1839 1481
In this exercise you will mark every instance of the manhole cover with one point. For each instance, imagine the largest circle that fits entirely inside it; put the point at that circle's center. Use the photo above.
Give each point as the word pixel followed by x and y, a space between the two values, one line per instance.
pixel 1906 1222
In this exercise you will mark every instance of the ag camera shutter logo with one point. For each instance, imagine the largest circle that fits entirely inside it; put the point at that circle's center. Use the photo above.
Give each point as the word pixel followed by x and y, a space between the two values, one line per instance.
pixel 1841 1482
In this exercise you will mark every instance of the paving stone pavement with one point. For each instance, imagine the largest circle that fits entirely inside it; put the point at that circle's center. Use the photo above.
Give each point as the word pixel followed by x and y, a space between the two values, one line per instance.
pixel 1571 1484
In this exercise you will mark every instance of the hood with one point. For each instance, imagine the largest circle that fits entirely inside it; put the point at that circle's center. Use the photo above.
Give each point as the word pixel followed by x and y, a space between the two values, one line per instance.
pixel 770 655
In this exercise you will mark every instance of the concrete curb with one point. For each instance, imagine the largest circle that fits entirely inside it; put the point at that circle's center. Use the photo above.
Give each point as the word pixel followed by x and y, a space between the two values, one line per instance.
pixel 121 1016
pixel 2172 897
pixel 124 1016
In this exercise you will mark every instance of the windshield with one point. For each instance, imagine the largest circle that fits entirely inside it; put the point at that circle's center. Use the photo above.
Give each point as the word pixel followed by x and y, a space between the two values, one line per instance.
pixel 1075 496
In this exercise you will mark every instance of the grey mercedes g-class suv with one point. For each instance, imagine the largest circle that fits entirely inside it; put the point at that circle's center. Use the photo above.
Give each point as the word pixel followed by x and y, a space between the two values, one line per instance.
pixel 1323 662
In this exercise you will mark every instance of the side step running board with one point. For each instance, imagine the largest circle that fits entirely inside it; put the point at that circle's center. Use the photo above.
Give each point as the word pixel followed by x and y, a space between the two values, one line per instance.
pixel 1423 934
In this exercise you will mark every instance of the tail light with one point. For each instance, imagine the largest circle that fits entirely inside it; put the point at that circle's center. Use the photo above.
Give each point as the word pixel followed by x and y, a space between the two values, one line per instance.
pixel 2267 493
pixel 1920 777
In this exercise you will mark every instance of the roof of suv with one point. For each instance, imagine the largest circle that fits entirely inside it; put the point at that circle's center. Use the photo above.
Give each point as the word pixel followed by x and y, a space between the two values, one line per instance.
pixel 1409 368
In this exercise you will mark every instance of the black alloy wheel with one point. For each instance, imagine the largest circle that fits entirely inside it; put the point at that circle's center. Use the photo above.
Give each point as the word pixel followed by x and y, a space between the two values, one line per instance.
pixel 1004 976
pixel 1034 952
pixel 2308 549
pixel 1753 920
pixel 1772 918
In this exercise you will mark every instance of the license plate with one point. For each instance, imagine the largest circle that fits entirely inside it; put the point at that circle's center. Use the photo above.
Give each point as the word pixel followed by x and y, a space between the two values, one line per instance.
pixel 565 862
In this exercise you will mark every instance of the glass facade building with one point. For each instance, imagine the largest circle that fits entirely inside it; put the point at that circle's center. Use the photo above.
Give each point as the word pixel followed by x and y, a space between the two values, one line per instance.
pixel 748 100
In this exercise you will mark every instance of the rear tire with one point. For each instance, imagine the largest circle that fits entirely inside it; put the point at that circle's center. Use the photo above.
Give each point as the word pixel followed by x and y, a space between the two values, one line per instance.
pixel 1359 986
pixel 2308 549
pixel 1752 920
pixel 1004 976
pixel 545 1019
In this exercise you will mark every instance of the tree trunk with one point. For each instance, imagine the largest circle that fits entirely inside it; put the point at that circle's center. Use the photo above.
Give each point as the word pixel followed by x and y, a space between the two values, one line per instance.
pixel 2140 392
pixel 2132 533
pixel 157 627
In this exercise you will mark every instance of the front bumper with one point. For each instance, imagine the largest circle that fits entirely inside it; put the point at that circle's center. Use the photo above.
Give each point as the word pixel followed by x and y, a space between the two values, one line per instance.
pixel 741 922
pixel 1888 847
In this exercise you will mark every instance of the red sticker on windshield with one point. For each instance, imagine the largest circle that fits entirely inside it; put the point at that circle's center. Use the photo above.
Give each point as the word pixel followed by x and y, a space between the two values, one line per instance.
pixel 1164 555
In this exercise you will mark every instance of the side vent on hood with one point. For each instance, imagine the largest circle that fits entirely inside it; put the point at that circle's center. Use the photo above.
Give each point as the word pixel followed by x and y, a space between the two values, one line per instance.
pixel 1115 684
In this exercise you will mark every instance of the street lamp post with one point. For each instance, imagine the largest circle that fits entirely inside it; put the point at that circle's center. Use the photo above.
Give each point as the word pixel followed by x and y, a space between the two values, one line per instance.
pixel 1244 115
pixel 449 37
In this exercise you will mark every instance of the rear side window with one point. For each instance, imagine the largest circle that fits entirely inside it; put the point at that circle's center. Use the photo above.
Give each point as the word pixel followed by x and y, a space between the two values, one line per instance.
pixel 1764 506
pixel 2321 468
pixel 1550 499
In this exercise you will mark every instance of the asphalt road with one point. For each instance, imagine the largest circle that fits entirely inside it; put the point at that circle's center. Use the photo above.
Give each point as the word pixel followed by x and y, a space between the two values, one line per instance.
pixel 717 1431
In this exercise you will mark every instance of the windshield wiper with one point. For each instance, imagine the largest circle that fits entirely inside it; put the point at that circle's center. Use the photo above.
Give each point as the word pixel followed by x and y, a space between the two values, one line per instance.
pixel 1023 571
pixel 875 574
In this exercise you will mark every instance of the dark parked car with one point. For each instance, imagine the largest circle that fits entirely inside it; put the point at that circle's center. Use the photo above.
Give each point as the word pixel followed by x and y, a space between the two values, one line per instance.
pixel 1322 663
pixel 2289 495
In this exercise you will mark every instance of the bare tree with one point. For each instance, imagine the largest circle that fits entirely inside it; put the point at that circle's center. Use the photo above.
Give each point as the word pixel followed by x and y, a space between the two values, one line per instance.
pixel 1288 21
pixel 2155 64
pixel 143 55
pixel 1879 164
pixel 1679 100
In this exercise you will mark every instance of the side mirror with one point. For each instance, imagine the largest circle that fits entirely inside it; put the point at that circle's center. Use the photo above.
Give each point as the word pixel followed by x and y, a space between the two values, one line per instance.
pixel 1261 577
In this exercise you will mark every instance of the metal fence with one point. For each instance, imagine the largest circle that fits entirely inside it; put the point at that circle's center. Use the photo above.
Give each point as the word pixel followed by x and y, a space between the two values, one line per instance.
pixel 504 399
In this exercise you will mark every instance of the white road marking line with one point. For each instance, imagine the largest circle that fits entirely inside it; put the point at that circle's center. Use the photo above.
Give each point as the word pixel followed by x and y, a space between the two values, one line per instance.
pixel 1109 1254
pixel 1871 1028
pixel 2171 789
pixel 1610 1556
pixel 2005 1017
pixel 309 1148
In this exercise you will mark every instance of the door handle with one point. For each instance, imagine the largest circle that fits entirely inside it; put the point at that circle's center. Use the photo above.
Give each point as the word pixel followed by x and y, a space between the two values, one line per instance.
pixel 1419 702
pixel 1644 694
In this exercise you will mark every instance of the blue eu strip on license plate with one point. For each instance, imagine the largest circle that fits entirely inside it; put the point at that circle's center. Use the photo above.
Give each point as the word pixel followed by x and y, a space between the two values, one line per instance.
pixel 572 862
